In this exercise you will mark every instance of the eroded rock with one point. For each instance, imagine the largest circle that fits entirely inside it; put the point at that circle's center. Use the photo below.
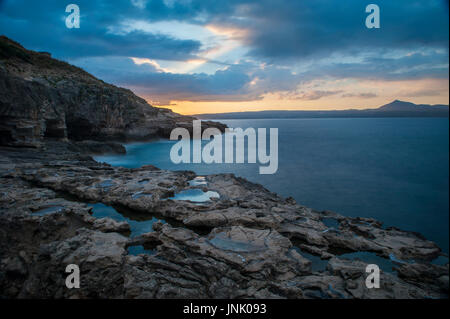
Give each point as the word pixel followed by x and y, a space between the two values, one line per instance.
pixel 247 243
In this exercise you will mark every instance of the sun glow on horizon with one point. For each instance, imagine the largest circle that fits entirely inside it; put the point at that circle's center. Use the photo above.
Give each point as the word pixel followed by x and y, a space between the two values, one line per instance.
pixel 426 91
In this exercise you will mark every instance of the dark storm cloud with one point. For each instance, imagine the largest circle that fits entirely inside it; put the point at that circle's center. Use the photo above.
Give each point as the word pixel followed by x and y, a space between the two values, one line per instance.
pixel 40 25
pixel 414 66
pixel 278 28
pixel 281 33
pixel 286 29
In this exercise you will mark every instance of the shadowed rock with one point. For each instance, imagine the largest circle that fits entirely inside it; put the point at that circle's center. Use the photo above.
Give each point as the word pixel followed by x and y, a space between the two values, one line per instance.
pixel 248 243
pixel 42 98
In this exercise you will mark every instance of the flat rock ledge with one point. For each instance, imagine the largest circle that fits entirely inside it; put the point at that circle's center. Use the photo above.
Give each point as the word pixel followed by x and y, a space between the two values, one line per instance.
pixel 248 243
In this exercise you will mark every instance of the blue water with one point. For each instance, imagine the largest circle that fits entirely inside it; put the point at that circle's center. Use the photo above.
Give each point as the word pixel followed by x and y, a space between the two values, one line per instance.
pixel 392 169
pixel 138 224
pixel 195 195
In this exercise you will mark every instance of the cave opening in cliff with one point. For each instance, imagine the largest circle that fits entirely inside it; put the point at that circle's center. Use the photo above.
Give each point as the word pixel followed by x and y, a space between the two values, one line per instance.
pixel 78 128
pixel 54 129
pixel 5 137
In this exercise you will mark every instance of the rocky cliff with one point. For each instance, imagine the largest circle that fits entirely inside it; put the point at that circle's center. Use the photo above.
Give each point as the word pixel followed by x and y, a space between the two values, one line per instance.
pixel 41 97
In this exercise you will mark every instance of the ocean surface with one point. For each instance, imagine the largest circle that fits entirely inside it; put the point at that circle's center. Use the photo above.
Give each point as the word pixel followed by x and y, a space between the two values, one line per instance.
pixel 395 170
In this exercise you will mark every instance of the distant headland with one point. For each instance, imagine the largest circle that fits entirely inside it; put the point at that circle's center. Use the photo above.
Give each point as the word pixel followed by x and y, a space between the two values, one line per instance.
pixel 396 108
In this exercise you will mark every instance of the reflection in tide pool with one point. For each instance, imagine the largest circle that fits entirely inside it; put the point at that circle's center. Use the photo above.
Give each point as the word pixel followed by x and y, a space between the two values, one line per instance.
pixel 317 264
pixel 198 181
pixel 330 222
pixel 139 249
pixel 195 195
pixel 139 224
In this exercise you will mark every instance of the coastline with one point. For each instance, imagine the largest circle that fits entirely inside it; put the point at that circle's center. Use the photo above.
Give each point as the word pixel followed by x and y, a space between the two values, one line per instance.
pixel 359 178
pixel 246 244
pixel 235 240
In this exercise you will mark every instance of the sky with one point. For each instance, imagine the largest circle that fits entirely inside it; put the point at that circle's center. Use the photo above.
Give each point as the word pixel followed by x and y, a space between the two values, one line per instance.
pixel 204 56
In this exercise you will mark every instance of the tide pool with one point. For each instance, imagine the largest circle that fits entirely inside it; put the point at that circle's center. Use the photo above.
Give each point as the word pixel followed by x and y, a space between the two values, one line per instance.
pixel 391 169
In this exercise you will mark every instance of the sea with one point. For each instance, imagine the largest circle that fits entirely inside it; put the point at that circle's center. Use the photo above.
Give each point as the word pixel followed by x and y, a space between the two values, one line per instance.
pixel 395 170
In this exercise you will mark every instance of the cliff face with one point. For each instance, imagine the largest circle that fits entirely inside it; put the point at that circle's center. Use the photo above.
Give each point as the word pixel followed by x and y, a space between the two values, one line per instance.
pixel 41 97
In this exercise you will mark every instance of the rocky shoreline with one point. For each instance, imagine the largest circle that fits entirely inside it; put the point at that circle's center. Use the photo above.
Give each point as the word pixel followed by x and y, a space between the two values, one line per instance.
pixel 248 243
pixel 151 233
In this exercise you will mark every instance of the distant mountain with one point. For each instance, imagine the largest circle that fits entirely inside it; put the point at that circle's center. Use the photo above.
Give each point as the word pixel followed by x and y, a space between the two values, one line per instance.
pixel 402 106
pixel 394 109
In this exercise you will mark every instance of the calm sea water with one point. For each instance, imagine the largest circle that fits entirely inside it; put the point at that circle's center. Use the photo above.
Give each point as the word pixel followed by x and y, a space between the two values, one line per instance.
pixel 393 169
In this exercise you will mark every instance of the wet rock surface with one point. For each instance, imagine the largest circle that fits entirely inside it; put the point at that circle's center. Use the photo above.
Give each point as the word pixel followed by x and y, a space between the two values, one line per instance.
pixel 244 242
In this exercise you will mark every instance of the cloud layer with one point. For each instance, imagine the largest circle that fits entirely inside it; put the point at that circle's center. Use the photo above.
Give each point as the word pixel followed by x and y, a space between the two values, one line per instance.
pixel 240 50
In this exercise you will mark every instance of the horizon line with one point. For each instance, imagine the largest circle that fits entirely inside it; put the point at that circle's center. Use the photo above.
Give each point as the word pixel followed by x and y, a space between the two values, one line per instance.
pixel 297 110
